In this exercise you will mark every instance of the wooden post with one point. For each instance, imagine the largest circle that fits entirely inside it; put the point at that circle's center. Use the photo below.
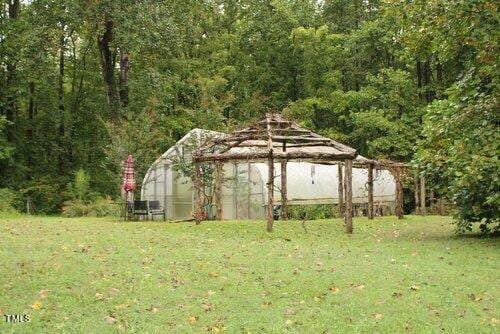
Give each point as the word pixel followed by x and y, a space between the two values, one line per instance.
pixel 370 191
pixel 218 190
pixel 422 196
pixel 431 201
pixel 341 190
pixel 284 195
pixel 399 194
pixel 270 177
pixel 284 191
pixel 441 206
pixel 417 196
pixel 348 196
pixel 198 201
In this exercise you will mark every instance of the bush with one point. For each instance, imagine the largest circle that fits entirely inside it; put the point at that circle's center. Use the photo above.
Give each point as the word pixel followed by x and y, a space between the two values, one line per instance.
pixel 310 212
pixel 102 207
pixel 9 200
pixel 46 196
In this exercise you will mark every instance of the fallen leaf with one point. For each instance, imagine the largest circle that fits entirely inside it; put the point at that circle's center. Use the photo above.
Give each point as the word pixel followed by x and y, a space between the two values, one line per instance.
pixel 206 306
pixel 109 319
pixel 266 304
pixel 414 254
pixel 495 321
pixel 99 296
pixel 360 287
pixel 216 329
pixel 192 319
pixel 43 293
pixel 153 309
pixel 334 289
pixel 377 316
pixel 474 298
pixel 214 274
pixel 414 288
pixel 36 305
pixel 210 293
pixel 288 322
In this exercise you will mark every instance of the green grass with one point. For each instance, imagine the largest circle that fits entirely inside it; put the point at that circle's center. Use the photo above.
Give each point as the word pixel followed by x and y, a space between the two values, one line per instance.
pixel 390 276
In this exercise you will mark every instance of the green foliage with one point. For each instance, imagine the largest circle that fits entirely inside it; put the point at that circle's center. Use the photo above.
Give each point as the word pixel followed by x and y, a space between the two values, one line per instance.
pixel 360 72
pixel 461 142
pixel 9 201
pixel 81 185
pixel 5 147
pixel 102 207
pixel 47 196
pixel 311 212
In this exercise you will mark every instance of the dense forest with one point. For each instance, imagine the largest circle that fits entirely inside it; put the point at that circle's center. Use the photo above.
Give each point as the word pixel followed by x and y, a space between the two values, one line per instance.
pixel 83 83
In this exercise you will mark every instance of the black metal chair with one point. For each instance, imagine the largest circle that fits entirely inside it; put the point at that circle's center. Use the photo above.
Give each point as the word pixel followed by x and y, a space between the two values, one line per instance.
pixel 141 209
pixel 155 209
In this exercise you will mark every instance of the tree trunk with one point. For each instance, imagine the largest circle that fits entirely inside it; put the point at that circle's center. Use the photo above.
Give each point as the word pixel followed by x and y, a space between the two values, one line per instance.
pixel 14 7
pixel 107 68
pixel 348 196
pixel 124 67
pixel 429 91
pixel 419 79
pixel 60 95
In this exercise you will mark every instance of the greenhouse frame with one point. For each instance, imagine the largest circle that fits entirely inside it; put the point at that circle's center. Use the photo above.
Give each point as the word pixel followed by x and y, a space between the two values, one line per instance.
pixel 244 191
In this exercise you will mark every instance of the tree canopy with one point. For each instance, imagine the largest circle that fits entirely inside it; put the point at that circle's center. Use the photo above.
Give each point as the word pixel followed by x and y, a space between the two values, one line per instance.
pixel 84 83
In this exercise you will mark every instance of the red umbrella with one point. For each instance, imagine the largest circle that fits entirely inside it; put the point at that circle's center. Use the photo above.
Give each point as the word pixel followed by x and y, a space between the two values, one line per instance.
pixel 129 175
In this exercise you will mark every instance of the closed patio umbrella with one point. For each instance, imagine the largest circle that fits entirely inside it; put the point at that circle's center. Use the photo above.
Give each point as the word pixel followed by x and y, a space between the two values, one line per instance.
pixel 129 183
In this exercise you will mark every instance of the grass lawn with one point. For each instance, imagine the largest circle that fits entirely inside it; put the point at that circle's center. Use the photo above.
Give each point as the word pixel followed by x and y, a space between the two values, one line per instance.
pixel 105 276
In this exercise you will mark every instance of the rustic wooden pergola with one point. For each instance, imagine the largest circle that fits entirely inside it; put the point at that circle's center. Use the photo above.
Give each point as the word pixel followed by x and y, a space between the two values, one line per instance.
pixel 275 139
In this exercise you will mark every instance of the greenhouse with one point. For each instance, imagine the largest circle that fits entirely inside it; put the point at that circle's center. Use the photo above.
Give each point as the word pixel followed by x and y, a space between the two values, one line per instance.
pixel 244 191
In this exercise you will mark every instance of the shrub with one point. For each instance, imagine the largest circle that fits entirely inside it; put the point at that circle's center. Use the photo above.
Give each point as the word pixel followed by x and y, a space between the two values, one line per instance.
pixel 310 212
pixel 102 207
pixel 46 196
pixel 9 200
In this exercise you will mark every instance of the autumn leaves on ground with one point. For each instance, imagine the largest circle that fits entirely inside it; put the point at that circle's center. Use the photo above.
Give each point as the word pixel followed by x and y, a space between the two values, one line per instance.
pixel 390 276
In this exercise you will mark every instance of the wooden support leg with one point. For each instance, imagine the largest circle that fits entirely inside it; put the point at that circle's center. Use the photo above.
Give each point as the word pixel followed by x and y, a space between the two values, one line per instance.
pixel 284 195
pixel 399 195
pixel 422 196
pixel 198 201
pixel 348 196
pixel 341 190
pixel 417 196
pixel 270 194
pixel 370 191
pixel 218 190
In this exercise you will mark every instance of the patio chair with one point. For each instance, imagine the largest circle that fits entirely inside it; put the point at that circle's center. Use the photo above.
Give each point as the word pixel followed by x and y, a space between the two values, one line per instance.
pixel 155 209
pixel 141 209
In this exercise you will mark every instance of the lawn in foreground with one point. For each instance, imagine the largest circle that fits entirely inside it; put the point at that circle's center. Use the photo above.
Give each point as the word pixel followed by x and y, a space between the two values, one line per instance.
pixel 390 276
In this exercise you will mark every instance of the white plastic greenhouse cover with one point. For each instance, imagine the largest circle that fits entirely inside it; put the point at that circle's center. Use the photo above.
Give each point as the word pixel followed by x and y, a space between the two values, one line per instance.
pixel 307 183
